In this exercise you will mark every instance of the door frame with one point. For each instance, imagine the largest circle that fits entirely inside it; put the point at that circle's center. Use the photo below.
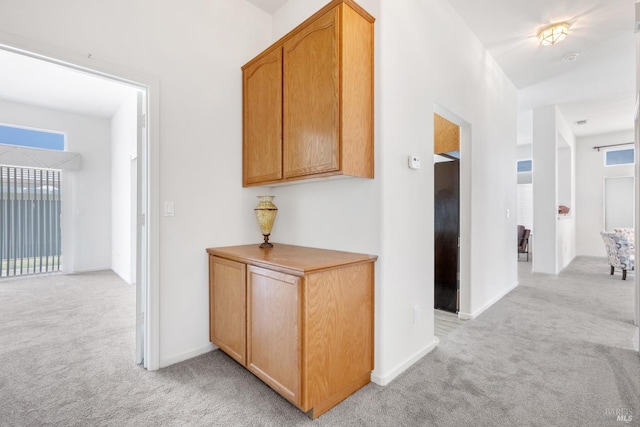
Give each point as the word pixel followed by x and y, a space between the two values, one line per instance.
pixel 637 206
pixel 464 251
pixel 149 194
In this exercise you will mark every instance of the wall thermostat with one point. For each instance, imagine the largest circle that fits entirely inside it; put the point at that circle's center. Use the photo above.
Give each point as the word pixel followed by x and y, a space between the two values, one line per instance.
pixel 414 162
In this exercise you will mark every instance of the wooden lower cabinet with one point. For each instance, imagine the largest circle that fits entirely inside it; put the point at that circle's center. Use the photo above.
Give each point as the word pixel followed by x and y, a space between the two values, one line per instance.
pixel 273 330
pixel 227 307
pixel 308 319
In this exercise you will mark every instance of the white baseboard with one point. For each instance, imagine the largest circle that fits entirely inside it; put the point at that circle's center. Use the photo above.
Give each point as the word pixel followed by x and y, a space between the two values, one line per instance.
pixel 126 278
pixel 386 379
pixel 187 355
pixel 86 270
pixel 469 316
pixel 465 316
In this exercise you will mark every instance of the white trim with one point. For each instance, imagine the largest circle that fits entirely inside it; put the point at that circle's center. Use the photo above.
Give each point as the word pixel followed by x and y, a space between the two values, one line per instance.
pixel 386 379
pixel 470 316
pixel 89 270
pixel 465 316
pixel 636 169
pixel 73 60
pixel 151 85
pixel 187 355
pixel 153 227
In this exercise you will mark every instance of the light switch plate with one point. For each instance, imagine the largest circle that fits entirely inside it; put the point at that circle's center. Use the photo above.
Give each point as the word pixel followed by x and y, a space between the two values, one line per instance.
pixel 169 209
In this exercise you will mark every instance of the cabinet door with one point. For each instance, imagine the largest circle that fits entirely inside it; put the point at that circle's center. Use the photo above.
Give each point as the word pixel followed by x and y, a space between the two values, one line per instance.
pixel 273 335
pixel 227 307
pixel 311 98
pixel 262 119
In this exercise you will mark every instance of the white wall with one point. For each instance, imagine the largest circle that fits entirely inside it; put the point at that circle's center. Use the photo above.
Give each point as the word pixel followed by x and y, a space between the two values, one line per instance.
pixel 86 215
pixel 565 244
pixel 554 235
pixel 544 189
pixel 123 152
pixel 392 216
pixel 590 174
pixel 525 207
pixel 565 177
pixel 196 53
pixel 565 193
pixel 524 151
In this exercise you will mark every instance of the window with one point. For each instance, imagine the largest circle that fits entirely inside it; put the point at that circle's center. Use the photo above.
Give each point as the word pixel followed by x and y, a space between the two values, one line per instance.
pixel 524 165
pixel 31 138
pixel 619 157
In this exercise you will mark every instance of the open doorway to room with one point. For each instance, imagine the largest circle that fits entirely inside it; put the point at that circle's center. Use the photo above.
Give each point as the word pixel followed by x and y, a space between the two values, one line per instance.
pixel 103 117
pixel 452 144
pixel 525 208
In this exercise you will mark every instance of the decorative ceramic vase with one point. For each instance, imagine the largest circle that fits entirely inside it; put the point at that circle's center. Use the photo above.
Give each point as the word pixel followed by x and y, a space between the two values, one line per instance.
pixel 266 213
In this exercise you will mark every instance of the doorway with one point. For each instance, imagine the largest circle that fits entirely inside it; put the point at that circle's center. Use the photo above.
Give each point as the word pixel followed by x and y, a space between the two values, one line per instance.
pixel 446 215
pixel 136 148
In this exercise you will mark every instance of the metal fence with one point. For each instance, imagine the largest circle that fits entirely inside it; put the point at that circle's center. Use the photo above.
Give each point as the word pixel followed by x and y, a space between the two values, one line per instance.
pixel 30 230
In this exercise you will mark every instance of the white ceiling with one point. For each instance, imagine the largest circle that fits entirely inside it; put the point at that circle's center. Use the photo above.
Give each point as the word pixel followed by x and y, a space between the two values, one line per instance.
pixel 598 86
pixel 269 6
pixel 28 80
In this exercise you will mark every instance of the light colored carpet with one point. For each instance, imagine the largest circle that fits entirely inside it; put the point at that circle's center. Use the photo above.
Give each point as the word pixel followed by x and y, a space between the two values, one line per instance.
pixel 556 351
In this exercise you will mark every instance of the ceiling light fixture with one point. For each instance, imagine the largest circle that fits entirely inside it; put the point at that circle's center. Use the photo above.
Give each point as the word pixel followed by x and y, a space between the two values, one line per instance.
pixel 553 34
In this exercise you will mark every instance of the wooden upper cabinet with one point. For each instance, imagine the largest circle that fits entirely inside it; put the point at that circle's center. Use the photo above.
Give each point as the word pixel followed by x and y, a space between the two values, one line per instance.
pixel 321 111
pixel 311 100
pixel 262 119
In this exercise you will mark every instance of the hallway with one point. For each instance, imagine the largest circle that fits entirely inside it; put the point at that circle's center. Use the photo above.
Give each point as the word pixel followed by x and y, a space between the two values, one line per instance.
pixel 557 350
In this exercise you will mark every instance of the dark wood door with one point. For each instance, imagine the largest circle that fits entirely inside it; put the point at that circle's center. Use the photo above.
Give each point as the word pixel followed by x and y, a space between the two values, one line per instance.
pixel 447 226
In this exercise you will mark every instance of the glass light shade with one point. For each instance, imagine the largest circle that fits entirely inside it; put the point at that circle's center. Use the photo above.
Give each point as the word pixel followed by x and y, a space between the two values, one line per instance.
pixel 553 34
pixel 266 214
